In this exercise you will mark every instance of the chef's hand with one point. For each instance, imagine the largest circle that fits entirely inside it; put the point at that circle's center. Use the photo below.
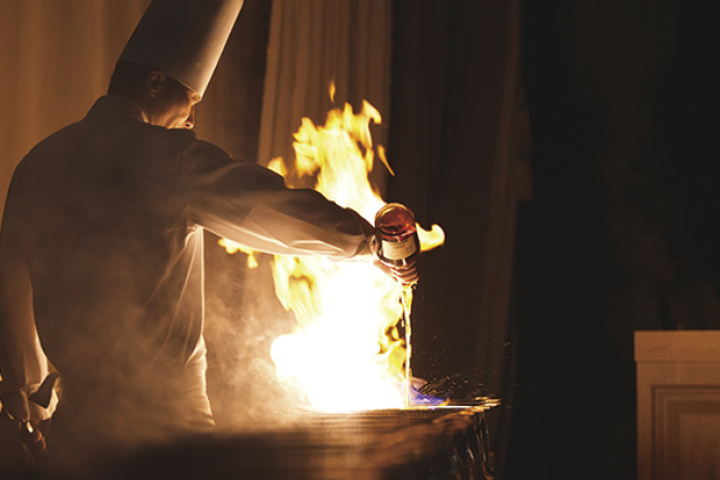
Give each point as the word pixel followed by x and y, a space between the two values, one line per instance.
pixel 33 434
pixel 30 408
pixel 405 274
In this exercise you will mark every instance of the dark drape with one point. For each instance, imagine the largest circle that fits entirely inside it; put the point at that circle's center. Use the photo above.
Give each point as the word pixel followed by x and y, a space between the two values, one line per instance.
pixel 457 144
pixel 620 236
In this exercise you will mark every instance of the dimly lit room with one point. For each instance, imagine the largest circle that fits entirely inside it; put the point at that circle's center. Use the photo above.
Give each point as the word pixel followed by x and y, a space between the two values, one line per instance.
pixel 359 239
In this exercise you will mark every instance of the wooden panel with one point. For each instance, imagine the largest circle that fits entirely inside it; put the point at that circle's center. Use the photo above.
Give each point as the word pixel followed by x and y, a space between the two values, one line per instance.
pixel 645 374
pixel 687 426
pixel 677 346
pixel 699 446
pixel 678 405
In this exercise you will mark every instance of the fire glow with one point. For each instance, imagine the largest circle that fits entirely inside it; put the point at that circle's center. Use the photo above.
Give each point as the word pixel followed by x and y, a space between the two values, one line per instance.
pixel 346 350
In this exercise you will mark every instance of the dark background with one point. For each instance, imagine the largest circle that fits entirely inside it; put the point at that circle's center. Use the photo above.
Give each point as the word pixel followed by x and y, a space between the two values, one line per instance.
pixel 620 234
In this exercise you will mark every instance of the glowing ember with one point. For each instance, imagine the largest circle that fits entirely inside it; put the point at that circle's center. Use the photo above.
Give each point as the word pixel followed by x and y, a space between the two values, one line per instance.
pixel 346 351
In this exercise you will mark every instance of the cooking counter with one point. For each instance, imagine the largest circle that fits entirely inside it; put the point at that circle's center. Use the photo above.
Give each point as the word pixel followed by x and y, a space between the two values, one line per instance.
pixel 418 443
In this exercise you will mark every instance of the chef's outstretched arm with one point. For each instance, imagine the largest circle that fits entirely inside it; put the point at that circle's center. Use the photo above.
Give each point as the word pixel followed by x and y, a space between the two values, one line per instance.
pixel 251 205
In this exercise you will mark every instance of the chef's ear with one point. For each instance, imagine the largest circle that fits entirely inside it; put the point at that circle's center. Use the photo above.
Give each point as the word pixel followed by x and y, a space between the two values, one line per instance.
pixel 156 82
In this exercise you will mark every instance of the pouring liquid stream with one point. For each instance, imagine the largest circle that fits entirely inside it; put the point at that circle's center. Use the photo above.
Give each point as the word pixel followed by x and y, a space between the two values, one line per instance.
pixel 406 296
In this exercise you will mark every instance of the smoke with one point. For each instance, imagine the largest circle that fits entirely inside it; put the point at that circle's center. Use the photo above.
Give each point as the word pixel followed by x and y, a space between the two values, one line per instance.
pixel 243 318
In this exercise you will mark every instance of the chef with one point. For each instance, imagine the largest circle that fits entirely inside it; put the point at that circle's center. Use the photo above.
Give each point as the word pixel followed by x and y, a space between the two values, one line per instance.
pixel 101 246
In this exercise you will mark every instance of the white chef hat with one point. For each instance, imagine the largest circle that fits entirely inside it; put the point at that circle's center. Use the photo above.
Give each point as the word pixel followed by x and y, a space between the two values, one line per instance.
pixel 183 38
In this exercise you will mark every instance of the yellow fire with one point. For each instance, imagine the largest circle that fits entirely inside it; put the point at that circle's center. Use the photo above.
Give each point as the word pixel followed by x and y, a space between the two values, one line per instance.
pixel 346 350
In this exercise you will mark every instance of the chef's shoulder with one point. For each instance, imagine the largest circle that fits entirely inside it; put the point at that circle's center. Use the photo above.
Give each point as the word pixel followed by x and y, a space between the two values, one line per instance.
pixel 205 162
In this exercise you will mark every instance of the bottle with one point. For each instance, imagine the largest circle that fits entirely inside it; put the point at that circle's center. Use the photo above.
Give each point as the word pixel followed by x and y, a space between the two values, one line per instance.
pixel 398 239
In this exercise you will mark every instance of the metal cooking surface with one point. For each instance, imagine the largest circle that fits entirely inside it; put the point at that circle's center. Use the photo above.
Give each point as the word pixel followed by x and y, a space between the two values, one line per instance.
pixel 318 446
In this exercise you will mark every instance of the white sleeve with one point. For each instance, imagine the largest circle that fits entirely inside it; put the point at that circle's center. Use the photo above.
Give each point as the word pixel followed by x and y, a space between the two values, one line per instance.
pixel 251 205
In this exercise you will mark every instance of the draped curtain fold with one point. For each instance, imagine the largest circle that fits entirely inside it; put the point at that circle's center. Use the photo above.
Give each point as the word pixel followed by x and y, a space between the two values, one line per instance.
pixel 314 43
pixel 459 141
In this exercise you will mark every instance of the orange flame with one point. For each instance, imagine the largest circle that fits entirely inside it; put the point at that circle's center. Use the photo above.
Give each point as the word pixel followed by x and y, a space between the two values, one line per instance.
pixel 346 350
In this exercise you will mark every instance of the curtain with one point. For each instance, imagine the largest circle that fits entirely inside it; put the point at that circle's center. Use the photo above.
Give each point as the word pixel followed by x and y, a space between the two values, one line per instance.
pixel 229 114
pixel 459 141
pixel 311 44
pixel 56 58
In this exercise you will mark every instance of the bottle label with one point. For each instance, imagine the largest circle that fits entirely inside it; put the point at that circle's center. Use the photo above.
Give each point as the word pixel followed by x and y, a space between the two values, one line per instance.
pixel 399 250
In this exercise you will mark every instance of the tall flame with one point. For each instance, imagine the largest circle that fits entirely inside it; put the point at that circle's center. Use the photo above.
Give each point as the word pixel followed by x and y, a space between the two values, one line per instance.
pixel 346 350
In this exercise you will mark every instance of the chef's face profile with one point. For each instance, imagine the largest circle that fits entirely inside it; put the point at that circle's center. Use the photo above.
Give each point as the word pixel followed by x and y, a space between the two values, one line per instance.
pixel 173 104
